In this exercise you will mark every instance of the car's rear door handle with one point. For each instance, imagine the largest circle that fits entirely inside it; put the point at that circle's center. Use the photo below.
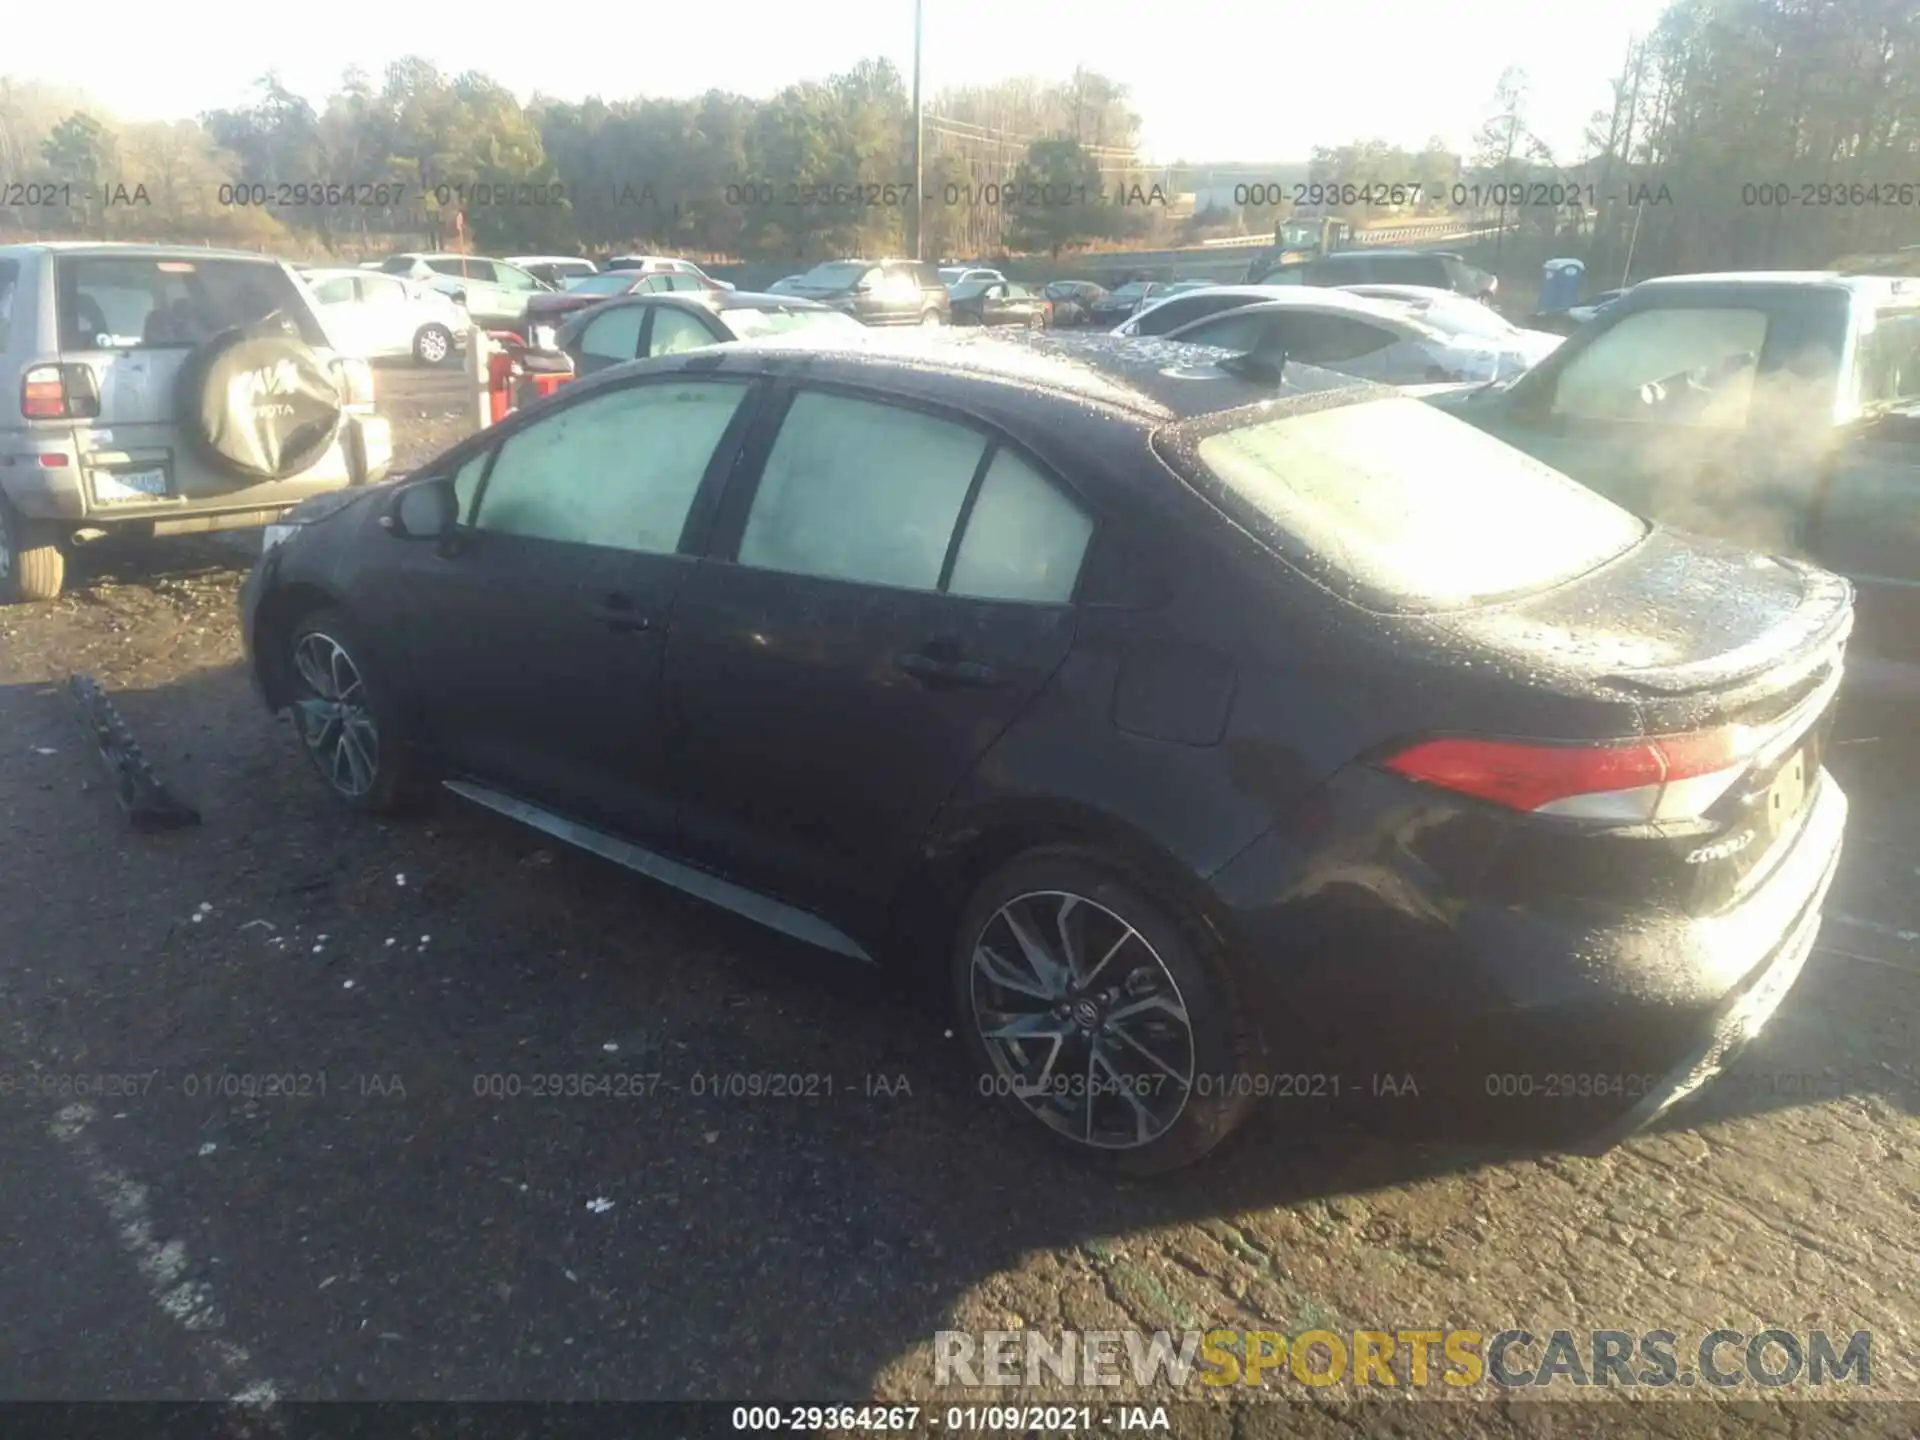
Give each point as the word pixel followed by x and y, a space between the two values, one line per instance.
pixel 943 670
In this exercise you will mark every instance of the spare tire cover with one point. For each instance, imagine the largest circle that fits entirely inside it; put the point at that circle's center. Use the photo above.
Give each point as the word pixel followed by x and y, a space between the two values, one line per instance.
pixel 258 403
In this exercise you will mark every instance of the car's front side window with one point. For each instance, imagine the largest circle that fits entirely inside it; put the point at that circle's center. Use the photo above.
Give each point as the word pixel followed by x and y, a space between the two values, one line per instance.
pixel 857 490
pixel 674 331
pixel 336 291
pixel 614 336
pixel 616 471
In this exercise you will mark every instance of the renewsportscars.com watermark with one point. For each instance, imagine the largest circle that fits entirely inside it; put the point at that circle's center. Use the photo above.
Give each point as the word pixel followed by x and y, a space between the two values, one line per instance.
pixel 1416 1359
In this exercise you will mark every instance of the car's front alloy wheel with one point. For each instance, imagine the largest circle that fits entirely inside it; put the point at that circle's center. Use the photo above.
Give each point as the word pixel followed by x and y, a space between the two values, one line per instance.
pixel 340 712
pixel 335 715
pixel 1096 1012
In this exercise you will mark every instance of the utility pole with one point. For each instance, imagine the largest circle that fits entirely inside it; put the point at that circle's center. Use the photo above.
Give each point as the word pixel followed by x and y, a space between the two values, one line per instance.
pixel 919 216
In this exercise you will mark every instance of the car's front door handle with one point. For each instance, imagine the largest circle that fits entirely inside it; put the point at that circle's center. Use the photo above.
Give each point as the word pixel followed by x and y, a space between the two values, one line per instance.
pixel 619 613
pixel 943 670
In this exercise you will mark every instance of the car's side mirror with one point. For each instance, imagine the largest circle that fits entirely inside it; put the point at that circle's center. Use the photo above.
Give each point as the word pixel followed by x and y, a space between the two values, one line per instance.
pixel 426 510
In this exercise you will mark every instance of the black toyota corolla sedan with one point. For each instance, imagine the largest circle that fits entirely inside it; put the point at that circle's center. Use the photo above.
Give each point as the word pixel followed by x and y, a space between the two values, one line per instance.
pixel 1212 733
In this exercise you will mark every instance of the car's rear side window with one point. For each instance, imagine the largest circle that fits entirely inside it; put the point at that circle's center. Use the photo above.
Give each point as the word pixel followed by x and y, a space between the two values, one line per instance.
pixel 1406 508
pixel 9 283
pixel 130 302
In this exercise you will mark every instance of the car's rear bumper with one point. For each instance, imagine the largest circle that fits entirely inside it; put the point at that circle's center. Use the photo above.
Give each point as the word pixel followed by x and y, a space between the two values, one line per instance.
pixel 45 475
pixel 1480 1020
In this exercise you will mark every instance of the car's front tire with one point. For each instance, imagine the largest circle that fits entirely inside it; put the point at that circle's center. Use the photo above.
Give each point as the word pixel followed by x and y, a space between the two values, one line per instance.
pixel 33 565
pixel 433 345
pixel 1102 1013
pixel 345 717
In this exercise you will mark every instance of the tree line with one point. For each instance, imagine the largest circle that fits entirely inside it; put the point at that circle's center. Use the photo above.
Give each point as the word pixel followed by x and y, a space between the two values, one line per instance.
pixel 1739 133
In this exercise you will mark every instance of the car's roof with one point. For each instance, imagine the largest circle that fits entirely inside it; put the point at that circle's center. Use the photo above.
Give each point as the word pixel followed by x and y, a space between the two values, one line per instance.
pixel 1311 297
pixel 136 248
pixel 1155 381
pixel 1374 289
pixel 1872 286
pixel 1383 312
pixel 717 300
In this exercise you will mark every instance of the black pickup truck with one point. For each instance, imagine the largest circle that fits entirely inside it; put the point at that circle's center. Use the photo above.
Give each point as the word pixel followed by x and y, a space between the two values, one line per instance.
pixel 1780 410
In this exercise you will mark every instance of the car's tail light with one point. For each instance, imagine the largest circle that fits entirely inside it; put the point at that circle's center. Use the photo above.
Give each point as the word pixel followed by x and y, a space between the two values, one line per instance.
pixel 355 377
pixel 1667 777
pixel 59 392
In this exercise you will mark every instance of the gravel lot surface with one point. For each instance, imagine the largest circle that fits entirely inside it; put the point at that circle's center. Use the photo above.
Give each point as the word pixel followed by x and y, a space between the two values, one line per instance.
pixel 309 1186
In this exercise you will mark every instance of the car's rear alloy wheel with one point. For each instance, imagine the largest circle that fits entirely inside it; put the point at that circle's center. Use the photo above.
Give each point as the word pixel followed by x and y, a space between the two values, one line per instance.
pixel 343 719
pixel 1092 1010
pixel 433 344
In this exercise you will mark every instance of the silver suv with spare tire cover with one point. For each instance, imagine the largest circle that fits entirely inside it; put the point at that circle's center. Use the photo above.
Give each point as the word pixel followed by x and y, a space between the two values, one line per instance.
pixel 160 390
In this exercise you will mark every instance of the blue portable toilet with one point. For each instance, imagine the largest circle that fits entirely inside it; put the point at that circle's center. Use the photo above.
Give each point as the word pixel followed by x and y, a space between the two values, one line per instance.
pixel 1560 283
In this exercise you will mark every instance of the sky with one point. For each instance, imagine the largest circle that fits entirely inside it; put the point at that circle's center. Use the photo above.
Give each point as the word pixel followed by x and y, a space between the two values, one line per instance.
pixel 1211 79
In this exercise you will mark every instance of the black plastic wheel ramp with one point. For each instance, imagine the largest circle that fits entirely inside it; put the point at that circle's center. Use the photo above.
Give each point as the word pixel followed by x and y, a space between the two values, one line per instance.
pixel 147 801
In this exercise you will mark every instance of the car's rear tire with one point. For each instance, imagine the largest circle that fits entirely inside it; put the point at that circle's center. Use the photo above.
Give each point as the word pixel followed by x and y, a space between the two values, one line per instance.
pixel 930 317
pixel 433 345
pixel 1128 1032
pixel 33 564
pixel 347 721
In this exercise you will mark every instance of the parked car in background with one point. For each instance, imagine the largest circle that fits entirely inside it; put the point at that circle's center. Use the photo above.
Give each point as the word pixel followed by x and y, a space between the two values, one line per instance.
pixel 1370 339
pixel 999 302
pixel 160 390
pixel 663 264
pixel 1117 304
pixel 1438 269
pixel 382 317
pixel 1073 300
pixel 952 275
pixel 617 331
pixel 1187 287
pixel 1456 315
pixel 555 270
pixel 786 285
pixel 880 292
pixel 546 313
pixel 1186 724
pixel 493 292
pixel 1779 410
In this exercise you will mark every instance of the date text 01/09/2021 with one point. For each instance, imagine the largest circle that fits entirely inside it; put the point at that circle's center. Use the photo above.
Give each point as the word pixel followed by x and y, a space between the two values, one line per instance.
pixel 962 1419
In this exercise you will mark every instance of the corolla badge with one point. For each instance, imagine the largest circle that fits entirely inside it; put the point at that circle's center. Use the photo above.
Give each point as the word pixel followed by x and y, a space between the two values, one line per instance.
pixel 1721 849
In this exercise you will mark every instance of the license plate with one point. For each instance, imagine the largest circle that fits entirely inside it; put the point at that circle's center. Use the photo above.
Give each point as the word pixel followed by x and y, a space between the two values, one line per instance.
pixel 1789 790
pixel 130 482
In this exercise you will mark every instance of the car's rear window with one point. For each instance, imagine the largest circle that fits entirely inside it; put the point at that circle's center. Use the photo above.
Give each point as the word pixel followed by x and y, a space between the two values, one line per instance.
pixel 132 302
pixel 1403 508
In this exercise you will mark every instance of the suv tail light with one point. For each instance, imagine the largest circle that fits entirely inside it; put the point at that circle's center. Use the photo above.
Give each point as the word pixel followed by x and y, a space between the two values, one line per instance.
pixel 59 392
pixel 1667 777
pixel 355 377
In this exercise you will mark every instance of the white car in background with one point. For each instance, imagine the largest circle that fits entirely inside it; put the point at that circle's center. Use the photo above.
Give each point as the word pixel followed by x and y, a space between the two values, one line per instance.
pixel 1458 315
pixel 380 317
pixel 952 275
pixel 1378 340
pixel 661 265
